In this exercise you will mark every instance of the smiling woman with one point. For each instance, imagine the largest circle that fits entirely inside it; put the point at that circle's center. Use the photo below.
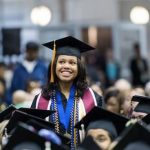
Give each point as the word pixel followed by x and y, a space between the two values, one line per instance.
pixel 67 91
pixel 66 68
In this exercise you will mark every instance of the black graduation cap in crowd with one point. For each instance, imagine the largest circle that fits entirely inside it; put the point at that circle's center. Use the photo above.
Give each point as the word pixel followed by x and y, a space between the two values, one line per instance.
pixel 19 116
pixel 88 144
pixel 134 134
pixel 6 114
pixel 38 126
pixel 99 118
pixel 69 46
pixel 66 46
pixel 143 105
pixel 23 138
pixel 138 146
pixel 146 119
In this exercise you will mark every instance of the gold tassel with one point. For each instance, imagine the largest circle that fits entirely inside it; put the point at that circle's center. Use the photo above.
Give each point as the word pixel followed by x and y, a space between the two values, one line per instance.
pixel 52 63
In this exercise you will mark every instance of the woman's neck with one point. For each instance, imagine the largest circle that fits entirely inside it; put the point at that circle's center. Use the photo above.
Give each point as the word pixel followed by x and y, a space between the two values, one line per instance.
pixel 65 88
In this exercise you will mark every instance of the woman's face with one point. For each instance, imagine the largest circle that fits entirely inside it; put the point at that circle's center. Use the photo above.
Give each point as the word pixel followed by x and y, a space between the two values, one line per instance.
pixel 66 68
pixel 101 137
pixel 113 105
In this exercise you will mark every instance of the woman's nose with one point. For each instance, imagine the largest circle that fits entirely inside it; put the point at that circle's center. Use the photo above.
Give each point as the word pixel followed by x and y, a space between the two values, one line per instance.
pixel 66 65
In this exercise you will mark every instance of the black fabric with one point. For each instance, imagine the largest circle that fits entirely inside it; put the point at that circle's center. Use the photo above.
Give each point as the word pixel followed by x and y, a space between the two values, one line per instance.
pixel 88 144
pixel 143 105
pixel 19 116
pixel 69 46
pixel 138 146
pixel 134 133
pixel 99 99
pixel 99 114
pixel 7 113
pixel 34 102
pixel 137 72
pixel 24 138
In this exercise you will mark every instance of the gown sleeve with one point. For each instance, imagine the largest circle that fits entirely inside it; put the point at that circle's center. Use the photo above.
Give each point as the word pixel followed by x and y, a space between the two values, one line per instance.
pixel 99 99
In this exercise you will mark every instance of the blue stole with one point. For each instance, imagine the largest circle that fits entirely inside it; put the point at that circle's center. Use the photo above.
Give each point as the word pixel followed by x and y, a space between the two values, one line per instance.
pixel 64 116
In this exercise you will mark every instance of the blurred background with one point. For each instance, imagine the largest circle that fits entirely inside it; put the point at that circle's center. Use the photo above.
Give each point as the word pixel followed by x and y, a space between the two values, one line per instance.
pixel 118 29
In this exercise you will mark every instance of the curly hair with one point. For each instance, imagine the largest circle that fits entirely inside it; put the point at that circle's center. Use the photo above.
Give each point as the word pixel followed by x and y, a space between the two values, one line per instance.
pixel 79 81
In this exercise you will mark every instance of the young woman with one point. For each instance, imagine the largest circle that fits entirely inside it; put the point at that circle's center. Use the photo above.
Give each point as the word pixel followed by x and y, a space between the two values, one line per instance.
pixel 67 91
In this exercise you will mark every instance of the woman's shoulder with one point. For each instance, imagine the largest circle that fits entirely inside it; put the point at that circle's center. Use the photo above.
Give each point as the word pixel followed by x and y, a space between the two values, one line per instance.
pixel 99 98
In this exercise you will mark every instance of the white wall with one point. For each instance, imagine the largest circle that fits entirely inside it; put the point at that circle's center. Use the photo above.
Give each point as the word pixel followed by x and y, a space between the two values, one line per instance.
pixel 100 10
pixel 17 12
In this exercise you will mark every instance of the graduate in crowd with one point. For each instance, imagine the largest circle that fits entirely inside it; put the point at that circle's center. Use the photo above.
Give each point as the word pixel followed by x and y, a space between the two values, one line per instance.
pixel 33 120
pixel 140 106
pixel 135 137
pixel 67 91
pixel 25 137
pixel 138 67
pixel 103 126
pixel 113 100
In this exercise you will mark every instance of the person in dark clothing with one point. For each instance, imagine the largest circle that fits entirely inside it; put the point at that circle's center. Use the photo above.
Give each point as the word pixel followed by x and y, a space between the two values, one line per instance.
pixel 138 67
pixel 30 69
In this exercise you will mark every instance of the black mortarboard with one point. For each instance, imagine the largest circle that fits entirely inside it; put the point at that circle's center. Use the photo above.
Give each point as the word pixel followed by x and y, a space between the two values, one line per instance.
pixel 138 146
pixel 69 46
pixel 66 46
pixel 143 105
pixel 38 126
pixel 19 116
pixel 99 118
pixel 146 119
pixel 6 114
pixel 24 138
pixel 41 113
pixel 88 144
pixel 133 134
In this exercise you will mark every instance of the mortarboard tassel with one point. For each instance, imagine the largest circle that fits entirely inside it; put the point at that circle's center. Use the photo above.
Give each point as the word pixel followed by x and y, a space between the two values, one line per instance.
pixel 52 63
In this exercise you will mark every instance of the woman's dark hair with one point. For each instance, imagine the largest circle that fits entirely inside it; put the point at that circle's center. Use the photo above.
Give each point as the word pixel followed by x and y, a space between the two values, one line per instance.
pixel 111 93
pixel 79 81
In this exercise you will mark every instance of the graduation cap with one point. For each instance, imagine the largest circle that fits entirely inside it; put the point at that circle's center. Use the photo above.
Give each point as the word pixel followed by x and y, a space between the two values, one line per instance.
pixel 38 126
pixel 134 134
pixel 88 144
pixel 143 105
pixel 6 114
pixel 19 116
pixel 67 46
pixel 138 146
pixel 146 119
pixel 41 113
pixel 24 138
pixel 99 118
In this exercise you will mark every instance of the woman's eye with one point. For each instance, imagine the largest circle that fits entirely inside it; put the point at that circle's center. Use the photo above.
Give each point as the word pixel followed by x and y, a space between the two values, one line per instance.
pixel 73 63
pixel 61 62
